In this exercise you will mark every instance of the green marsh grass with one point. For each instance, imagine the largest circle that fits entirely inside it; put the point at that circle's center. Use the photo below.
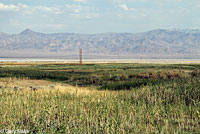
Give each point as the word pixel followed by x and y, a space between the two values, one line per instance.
pixel 161 105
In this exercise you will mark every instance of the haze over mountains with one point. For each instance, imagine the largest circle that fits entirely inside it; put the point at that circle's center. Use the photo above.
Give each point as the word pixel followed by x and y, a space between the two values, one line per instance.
pixel 158 43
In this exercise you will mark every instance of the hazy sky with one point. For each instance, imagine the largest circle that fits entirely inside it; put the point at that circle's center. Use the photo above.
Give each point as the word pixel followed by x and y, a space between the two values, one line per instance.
pixel 98 16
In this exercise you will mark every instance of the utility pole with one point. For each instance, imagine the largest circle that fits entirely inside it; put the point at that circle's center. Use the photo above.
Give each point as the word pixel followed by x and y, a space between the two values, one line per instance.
pixel 80 57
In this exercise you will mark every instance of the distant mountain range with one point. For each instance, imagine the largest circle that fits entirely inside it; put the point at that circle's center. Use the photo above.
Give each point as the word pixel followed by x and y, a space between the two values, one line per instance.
pixel 158 43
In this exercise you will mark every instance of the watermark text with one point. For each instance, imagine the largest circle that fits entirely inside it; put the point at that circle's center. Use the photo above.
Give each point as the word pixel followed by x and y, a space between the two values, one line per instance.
pixel 17 131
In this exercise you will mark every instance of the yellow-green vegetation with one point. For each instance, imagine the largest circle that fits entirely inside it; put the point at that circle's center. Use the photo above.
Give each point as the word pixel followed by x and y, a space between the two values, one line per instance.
pixel 101 98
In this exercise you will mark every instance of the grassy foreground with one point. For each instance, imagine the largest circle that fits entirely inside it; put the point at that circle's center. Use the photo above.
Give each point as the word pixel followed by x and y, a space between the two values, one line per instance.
pixel 164 101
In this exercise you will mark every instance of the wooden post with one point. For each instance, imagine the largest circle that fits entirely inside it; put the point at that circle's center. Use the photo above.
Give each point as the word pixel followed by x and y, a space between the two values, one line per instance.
pixel 80 57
